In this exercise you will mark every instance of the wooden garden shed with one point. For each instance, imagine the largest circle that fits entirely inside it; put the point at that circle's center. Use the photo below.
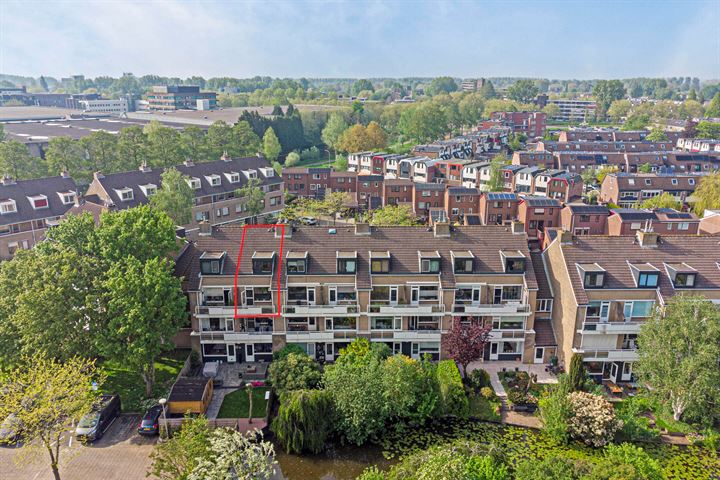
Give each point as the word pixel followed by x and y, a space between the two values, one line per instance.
pixel 190 394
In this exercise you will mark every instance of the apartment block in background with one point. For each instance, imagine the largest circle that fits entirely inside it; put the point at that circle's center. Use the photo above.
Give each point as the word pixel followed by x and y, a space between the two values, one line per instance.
pixel 627 189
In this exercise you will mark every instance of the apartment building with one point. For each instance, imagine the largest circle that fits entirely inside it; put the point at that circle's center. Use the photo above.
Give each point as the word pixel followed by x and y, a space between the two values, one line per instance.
pixel 606 287
pixel 626 189
pixel 215 186
pixel 532 124
pixel 600 146
pixel 628 221
pixel 538 214
pixel 117 106
pixel 498 208
pixel 402 286
pixel 606 135
pixel 574 110
pixel 307 182
pixel 461 201
pixel 582 219
pixel 179 97
pixel 27 207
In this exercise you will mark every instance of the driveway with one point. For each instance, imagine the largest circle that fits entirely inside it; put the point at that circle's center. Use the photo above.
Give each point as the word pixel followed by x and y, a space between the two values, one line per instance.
pixel 120 455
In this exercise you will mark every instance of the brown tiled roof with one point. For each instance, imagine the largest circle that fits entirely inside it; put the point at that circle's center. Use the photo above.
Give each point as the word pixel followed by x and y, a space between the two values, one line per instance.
pixel 403 243
pixel 660 182
pixel 613 254
pixel 544 334
pixel 544 289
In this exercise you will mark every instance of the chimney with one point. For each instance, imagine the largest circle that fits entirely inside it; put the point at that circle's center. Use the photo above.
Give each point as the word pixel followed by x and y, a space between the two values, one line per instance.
pixel 205 228
pixel 188 163
pixel 285 232
pixel 7 180
pixel 362 228
pixel 144 167
pixel 225 157
pixel 647 239
pixel 517 228
pixel 442 229
pixel 98 175
pixel 566 237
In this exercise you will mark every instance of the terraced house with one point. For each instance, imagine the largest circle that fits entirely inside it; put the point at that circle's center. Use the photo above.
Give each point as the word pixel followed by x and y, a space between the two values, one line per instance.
pixel 606 287
pixel 402 286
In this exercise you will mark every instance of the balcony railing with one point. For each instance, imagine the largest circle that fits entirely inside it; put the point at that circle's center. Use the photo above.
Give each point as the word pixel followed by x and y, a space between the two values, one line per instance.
pixel 611 327
pixel 420 309
pixel 491 308
pixel 610 354
pixel 313 310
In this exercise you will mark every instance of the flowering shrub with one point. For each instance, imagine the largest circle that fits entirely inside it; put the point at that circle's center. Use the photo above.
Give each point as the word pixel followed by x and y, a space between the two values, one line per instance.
pixel 592 420
pixel 487 393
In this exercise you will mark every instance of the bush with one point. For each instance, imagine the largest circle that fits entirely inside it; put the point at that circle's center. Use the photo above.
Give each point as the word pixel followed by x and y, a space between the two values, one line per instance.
pixel 516 396
pixel 555 410
pixel 551 468
pixel 635 427
pixel 592 420
pixel 287 350
pixel 292 159
pixel 294 372
pixel 576 374
pixel 627 461
pixel 459 460
pixel 478 379
pixel 304 421
pixel 487 393
pixel 372 473
pixel 194 359
pixel 453 400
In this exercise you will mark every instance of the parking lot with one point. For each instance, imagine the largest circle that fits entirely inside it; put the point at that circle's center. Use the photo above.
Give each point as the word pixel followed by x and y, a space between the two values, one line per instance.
pixel 121 454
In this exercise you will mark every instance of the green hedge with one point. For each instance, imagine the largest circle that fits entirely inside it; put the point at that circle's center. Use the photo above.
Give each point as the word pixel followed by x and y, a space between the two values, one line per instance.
pixel 453 400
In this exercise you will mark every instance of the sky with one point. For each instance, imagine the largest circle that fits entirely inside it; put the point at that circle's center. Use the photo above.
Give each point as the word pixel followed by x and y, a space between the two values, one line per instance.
pixel 580 39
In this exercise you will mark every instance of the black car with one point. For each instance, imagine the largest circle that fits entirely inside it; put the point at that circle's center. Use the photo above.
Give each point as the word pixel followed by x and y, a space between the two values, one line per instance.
pixel 92 426
pixel 149 425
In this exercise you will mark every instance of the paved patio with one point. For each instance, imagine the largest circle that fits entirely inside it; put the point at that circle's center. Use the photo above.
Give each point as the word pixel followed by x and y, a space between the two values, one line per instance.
pixel 494 367
pixel 236 375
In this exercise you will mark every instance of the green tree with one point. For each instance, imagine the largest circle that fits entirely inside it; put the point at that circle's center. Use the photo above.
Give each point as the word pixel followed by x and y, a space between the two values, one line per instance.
pixel 132 148
pixel 487 91
pixel 576 373
pixel 627 462
pixel 46 297
pixel 145 308
pixel 219 139
pixel 294 372
pixel 555 410
pixel 361 85
pixel 471 109
pixel 47 397
pixel 496 183
pixel 235 455
pixel 707 194
pixel 688 379
pixel 636 121
pixel 271 145
pixel 551 110
pixel 393 215
pixel 692 94
pixel 304 420
pixel 602 172
pixel 657 135
pixel 292 159
pixel 606 92
pixel 164 148
pixel 523 91
pixel 424 122
pixel 75 233
pixel 64 154
pixel 194 144
pixel 177 457
pixel 16 161
pixel 141 232
pixel 175 198
pixel 441 85
pixel 619 109
pixel 253 198
pixel 713 108
pixel 666 200
pixel 245 142
pixel 707 129
pixel 645 168
pixel 333 130
pixel 101 153
pixel 410 390
pixel 334 204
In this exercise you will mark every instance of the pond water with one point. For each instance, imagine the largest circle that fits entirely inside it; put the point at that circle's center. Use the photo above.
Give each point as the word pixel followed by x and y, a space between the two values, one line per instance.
pixel 347 462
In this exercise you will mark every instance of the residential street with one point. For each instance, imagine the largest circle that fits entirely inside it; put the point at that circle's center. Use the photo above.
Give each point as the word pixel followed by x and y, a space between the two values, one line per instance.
pixel 120 455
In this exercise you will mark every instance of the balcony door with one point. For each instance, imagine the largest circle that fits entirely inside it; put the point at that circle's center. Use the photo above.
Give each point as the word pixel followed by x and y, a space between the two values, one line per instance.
pixel 494 350
pixel 231 353
pixel 249 352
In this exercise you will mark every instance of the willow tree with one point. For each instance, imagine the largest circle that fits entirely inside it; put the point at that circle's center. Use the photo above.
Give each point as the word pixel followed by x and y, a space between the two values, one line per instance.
pixel 304 421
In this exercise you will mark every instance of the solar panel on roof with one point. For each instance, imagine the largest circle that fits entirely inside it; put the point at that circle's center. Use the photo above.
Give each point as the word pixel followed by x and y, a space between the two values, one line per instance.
pixel 501 196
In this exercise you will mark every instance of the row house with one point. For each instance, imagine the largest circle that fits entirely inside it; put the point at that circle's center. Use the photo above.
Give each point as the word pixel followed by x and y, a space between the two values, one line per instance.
pixel 694 162
pixel 628 221
pixel 560 185
pixel 343 182
pixel 498 208
pixel 534 158
pixel 606 287
pixel 605 135
pixel 627 189
pixel 490 139
pixel 509 175
pixel 428 196
pixel 644 146
pixel 537 214
pixel 461 201
pixel 451 171
pixel 582 219
pixel 421 169
pixel 401 286
pixel 698 145
pixel 360 161
pixel 545 343
pixel 28 207
pixel 398 191
pixel 215 188
pixel 532 124
pixel 307 182
pixel 369 191
pixel 476 175
pixel 458 147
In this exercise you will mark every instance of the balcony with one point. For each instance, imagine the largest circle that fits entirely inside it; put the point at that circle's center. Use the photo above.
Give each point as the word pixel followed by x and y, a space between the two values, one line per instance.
pixel 421 335
pixel 490 309
pixel 407 310
pixel 320 310
pixel 610 328
pixel 607 354
pixel 303 336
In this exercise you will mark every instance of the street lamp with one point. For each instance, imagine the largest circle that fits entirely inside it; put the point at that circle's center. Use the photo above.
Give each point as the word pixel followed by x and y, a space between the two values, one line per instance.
pixel 162 403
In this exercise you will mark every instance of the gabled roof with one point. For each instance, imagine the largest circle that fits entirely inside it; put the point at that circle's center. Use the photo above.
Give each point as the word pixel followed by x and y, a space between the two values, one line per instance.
pixel 20 191
pixel 581 208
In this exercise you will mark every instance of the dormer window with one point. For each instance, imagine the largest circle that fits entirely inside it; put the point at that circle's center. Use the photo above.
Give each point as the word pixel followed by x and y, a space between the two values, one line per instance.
pixel 67 198
pixel 593 275
pixel 149 189
pixel 213 180
pixel 681 274
pixel 645 275
pixel 297 262
pixel 233 177
pixel 38 201
pixel 211 263
pixel 347 263
pixel 379 262
pixel 7 206
pixel 125 194
pixel 194 183
pixel 250 173
pixel 513 261
pixel 462 261
pixel 429 262
pixel 262 263
pixel 267 172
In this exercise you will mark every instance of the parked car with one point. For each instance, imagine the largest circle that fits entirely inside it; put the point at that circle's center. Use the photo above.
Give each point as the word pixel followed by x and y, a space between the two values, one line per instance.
pixel 93 425
pixel 149 425
pixel 10 430
pixel 308 220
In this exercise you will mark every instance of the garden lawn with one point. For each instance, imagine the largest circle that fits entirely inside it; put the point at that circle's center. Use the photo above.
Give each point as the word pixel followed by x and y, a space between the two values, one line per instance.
pixel 484 409
pixel 235 404
pixel 130 385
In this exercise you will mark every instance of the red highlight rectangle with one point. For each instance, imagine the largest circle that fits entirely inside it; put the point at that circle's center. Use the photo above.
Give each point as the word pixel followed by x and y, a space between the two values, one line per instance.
pixel 236 293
